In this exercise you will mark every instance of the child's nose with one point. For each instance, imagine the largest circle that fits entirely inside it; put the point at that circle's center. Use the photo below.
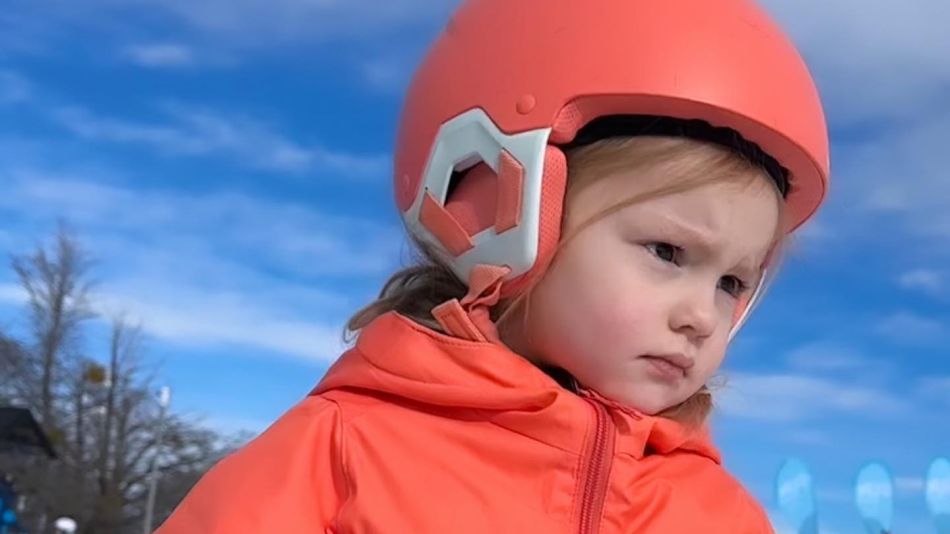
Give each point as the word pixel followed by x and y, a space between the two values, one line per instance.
pixel 695 314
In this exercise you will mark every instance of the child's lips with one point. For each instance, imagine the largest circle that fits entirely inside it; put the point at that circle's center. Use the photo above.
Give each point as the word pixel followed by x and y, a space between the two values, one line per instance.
pixel 674 365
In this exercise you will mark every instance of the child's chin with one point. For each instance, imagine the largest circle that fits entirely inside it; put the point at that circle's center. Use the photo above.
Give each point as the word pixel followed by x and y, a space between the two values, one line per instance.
pixel 647 404
pixel 645 396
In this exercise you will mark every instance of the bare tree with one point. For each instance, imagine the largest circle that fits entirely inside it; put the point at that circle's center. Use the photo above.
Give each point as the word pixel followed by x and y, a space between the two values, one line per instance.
pixel 56 284
pixel 101 412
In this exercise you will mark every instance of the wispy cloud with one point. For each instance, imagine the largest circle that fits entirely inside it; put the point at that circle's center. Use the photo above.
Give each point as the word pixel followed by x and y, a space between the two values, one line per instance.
pixel 838 360
pixel 160 55
pixel 902 71
pixel 886 100
pixel 180 310
pixel 912 328
pixel 194 316
pixel 213 270
pixel 929 281
pixel 790 397
pixel 826 356
pixel 195 131
pixel 386 73
pixel 280 21
pixel 900 173
pixel 291 237
pixel 221 24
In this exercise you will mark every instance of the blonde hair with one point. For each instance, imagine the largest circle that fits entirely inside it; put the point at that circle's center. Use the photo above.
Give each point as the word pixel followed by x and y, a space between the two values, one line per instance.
pixel 684 164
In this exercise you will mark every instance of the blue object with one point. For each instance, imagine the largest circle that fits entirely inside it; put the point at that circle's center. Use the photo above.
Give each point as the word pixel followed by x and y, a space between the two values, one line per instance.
pixel 937 491
pixel 795 493
pixel 874 497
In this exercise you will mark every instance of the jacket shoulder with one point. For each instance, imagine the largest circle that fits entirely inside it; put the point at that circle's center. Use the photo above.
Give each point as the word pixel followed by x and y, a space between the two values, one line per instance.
pixel 289 479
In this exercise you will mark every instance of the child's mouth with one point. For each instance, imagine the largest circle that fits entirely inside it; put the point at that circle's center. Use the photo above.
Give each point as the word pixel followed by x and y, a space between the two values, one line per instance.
pixel 667 367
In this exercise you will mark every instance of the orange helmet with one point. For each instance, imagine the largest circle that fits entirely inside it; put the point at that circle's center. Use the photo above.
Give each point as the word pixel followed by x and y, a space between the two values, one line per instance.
pixel 509 83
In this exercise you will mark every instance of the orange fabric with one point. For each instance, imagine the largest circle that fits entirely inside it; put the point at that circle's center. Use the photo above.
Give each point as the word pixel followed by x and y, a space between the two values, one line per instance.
pixel 473 200
pixel 510 192
pixel 444 227
pixel 418 432
pixel 455 320
pixel 470 319
pixel 553 186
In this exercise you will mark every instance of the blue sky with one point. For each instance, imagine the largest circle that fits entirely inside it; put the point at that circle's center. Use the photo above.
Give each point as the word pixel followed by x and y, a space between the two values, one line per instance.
pixel 227 162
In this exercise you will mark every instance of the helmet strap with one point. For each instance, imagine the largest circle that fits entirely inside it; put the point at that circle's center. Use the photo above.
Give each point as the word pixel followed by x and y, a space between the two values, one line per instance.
pixel 470 318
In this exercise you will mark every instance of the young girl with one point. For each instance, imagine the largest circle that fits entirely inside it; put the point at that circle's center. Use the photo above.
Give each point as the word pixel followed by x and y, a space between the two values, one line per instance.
pixel 600 189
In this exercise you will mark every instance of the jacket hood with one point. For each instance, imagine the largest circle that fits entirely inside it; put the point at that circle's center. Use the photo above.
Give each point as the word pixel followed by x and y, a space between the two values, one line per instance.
pixel 397 357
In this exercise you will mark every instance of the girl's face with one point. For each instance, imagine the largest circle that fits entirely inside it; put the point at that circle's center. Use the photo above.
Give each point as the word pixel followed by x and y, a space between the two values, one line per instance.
pixel 638 305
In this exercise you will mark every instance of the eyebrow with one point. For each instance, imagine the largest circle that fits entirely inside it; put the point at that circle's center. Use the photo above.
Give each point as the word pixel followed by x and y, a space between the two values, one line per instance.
pixel 749 267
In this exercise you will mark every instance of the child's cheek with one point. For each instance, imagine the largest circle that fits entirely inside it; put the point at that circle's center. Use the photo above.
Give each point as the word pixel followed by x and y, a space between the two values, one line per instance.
pixel 620 322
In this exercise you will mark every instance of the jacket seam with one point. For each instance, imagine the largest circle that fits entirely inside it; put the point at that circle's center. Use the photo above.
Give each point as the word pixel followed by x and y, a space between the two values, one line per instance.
pixel 341 453
pixel 532 438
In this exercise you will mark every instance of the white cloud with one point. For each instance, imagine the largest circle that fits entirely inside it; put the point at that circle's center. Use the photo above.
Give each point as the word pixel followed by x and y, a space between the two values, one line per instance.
pixel 248 311
pixel 221 24
pixel 873 58
pixel 912 328
pixel 196 132
pixel 927 280
pixel 889 192
pixel 826 356
pixel 895 172
pixel 193 316
pixel 160 55
pixel 898 72
pixel 387 73
pixel 789 397
pixel 882 68
pixel 293 238
pixel 218 269
pixel 279 21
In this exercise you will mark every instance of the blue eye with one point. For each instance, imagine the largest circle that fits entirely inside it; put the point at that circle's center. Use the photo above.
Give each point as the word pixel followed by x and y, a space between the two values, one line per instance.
pixel 733 286
pixel 665 252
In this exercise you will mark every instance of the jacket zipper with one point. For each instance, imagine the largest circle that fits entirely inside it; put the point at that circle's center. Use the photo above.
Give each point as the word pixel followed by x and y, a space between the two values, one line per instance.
pixel 598 471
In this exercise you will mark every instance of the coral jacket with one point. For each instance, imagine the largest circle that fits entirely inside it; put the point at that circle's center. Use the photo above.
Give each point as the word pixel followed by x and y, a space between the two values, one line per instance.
pixel 419 432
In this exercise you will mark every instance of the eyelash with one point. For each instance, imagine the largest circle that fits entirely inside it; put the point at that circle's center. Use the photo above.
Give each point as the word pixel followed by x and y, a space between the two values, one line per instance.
pixel 741 285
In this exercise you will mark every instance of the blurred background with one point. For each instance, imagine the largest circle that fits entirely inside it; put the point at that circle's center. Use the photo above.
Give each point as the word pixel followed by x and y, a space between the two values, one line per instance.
pixel 196 196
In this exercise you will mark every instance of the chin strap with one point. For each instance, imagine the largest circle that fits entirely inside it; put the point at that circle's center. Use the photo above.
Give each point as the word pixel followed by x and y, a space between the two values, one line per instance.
pixel 470 318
